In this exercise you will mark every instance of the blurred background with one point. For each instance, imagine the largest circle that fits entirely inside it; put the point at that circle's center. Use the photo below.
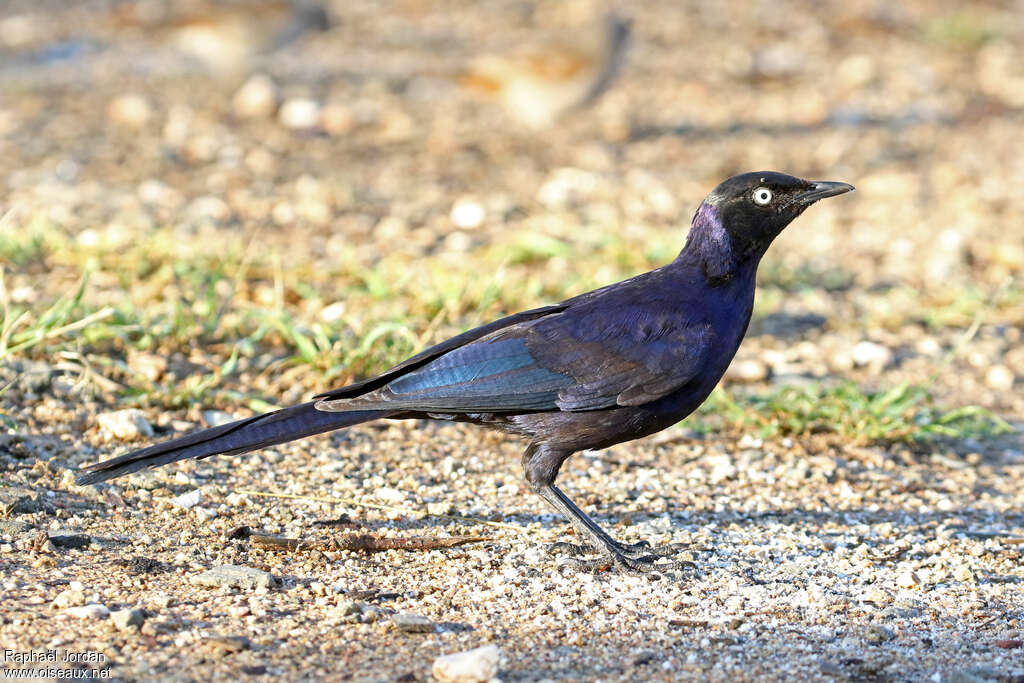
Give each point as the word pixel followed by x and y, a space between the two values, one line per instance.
pixel 241 203
pixel 219 207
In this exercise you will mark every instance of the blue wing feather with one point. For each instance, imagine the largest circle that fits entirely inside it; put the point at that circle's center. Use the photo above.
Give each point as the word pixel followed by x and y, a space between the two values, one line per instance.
pixel 496 375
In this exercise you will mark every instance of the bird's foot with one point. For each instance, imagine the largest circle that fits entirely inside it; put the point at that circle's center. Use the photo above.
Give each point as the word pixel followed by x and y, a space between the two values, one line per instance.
pixel 636 558
pixel 639 549
pixel 571 549
pixel 632 550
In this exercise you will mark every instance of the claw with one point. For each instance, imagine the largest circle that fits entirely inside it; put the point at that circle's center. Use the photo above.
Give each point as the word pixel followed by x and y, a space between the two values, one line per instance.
pixel 567 548
pixel 634 550
pixel 650 564
pixel 635 558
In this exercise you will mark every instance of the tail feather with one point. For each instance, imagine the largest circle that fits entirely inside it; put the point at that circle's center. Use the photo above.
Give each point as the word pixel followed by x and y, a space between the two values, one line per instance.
pixel 259 431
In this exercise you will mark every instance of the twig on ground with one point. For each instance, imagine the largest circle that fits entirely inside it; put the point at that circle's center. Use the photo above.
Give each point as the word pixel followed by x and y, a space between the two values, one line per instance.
pixel 369 543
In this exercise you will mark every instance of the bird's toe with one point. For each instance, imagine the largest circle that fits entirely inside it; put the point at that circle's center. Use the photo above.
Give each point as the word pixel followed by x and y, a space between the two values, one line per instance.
pixel 571 549
pixel 634 550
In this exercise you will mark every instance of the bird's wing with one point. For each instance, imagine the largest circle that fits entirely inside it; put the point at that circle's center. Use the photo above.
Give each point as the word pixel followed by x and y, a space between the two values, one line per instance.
pixel 490 375
pixel 570 360
pixel 642 354
pixel 434 352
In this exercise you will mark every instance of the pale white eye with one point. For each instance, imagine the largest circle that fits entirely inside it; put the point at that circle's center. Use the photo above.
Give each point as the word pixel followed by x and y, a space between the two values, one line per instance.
pixel 762 196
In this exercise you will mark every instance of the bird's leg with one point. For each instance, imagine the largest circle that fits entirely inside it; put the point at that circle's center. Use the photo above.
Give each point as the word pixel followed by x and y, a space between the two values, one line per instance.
pixel 612 550
pixel 541 466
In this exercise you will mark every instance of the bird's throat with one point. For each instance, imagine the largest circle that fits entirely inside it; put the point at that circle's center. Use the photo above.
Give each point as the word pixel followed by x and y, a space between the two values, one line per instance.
pixel 710 248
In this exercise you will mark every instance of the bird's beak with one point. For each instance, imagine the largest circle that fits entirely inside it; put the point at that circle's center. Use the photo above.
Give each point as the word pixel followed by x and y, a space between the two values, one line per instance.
pixel 820 190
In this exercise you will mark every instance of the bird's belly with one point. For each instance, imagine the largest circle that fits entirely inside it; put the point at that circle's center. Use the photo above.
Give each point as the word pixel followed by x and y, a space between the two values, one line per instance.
pixel 596 429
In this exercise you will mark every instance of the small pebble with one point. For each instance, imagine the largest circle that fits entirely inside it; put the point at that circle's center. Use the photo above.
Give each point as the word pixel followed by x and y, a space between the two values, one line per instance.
pixel 879 598
pixel 204 514
pixel 750 370
pixel 349 608
pixel 1000 378
pixel 149 365
pixel 124 619
pixel 147 480
pixel 130 110
pixel 299 113
pixel 156 193
pixel 337 119
pixel 235 576
pixel 226 645
pixel 876 633
pixel 188 500
pixel 216 418
pixel 390 495
pixel 91 611
pixel 412 623
pixel 256 98
pixel 468 213
pixel 207 209
pixel 477 665
pixel 908 579
pixel 963 573
pixel 69 598
pixel 722 469
pixel 870 354
pixel 69 539
pixel 13 527
pixel 123 425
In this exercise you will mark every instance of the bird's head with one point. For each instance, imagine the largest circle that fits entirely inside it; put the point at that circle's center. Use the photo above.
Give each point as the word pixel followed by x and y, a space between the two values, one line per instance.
pixel 753 208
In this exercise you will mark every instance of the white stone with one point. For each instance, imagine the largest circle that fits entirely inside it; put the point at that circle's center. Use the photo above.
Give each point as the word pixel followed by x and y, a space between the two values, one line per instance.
pixel 390 495
pixel 750 370
pixel 468 213
pixel 92 611
pixel 256 98
pixel 333 312
pixel 235 576
pixel 188 500
pixel 722 468
pixel 69 598
pixel 480 664
pixel 216 418
pixel 123 425
pixel 872 354
pixel 1000 378
pixel 156 192
pixel 908 579
pixel 130 110
pixel 208 208
pixel 337 119
pixel 204 514
pixel 413 623
pixel 125 619
pixel 299 112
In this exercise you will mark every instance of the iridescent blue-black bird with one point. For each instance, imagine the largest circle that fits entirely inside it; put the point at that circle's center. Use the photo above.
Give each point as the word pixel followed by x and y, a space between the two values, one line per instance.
pixel 608 366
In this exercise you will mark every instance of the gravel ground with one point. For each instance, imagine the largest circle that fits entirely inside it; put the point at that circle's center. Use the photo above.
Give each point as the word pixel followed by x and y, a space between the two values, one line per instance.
pixel 816 555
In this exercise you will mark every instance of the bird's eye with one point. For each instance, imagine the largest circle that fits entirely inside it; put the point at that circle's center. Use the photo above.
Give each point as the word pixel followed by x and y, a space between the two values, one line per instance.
pixel 762 196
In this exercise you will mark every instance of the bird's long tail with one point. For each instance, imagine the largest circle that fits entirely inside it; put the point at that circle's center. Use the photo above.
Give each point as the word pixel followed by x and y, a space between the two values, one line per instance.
pixel 234 438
